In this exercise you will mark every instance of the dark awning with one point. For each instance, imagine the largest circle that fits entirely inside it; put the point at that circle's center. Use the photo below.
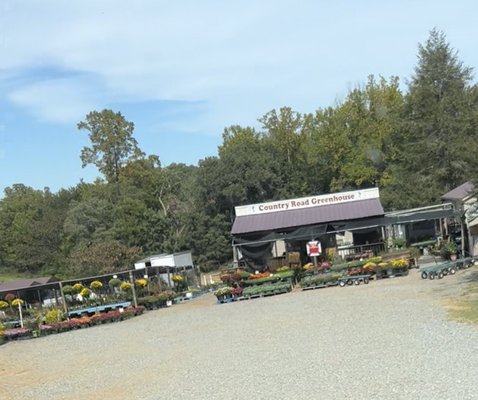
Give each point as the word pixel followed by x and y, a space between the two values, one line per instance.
pixel 304 232
pixel 283 220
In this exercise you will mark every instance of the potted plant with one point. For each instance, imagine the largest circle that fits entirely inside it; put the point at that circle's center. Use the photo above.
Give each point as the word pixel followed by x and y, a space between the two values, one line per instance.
pixel 449 250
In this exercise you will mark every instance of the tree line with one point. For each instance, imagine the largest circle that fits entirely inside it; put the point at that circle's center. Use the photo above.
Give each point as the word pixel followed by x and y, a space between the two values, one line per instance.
pixel 414 143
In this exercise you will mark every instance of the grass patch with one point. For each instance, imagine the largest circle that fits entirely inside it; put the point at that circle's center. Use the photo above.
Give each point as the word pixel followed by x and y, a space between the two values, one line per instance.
pixel 464 311
pixel 464 307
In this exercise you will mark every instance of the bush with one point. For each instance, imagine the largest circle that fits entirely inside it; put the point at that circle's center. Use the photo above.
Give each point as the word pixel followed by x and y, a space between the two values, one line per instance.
pixel 53 316
pixel 399 243
pixel 114 283
pixel 67 289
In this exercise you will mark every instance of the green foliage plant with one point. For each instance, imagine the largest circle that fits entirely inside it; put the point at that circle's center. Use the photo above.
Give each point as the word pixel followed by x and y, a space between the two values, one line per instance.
pixel 114 283
pixel 67 289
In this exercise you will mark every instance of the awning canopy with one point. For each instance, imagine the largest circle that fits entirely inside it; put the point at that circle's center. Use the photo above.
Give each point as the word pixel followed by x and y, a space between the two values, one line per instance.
pixel 310 232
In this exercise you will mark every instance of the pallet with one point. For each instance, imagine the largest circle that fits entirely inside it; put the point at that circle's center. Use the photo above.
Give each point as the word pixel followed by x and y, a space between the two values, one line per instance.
pixel 314 287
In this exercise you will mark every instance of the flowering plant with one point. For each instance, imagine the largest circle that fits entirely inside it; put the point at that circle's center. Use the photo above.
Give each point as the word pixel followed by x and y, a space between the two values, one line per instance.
pixel 17 302
pixel 307 266
pixel 223 291
pixel 85 292
pixel 12 334
pixel 370 266
pixel 177 278
pixel 53 316
pixel 96 285
pixel 125 286
pixel 142 282
pixel 265 274
pixel 3 305
pixel 400 263
pixel 77 287
pixel 225 278
pixel 237 291
pixel 45 328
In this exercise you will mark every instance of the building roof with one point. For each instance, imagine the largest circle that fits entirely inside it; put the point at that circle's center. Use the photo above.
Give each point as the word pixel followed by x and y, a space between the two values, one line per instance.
pixel 25 284
pixel 460 192
pixel 307 216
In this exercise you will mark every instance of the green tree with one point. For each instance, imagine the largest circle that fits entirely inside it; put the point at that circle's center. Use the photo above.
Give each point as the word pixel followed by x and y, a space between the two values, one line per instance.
pixel 102 257
pixel 351 146
pixel 112 143
pixel 284 137
pixel 31 224
pixel 439 142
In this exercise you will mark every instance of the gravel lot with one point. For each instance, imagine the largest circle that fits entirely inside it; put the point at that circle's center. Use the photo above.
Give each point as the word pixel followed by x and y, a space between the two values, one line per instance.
pixel 386 340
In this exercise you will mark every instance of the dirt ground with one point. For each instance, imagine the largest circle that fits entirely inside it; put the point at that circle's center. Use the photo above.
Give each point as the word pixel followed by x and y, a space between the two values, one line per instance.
pixel 57 366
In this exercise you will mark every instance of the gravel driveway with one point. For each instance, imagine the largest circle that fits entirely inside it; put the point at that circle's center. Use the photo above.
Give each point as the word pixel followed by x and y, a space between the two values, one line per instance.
pixel 386 340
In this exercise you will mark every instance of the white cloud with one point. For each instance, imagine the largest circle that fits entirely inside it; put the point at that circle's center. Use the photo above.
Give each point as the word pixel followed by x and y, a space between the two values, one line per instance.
pixel 241 58
pixel 58 100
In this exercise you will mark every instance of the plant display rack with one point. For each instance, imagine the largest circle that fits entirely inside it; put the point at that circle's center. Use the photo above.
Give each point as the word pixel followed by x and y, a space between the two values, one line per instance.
pixel 258 291
pixel 319 281
pixel 99 309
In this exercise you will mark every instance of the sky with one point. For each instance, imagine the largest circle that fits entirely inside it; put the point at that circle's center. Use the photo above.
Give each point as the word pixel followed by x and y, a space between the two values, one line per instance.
pixel 184 70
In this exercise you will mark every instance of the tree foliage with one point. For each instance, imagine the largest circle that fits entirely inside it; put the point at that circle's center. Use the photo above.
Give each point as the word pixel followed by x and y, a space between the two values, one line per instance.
pixel 414 144
pixel 112 143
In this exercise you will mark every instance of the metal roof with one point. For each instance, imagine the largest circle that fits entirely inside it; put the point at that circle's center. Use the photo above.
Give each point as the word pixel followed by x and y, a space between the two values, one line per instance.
pixel 307 216
pixel 460 192
pixel 25 284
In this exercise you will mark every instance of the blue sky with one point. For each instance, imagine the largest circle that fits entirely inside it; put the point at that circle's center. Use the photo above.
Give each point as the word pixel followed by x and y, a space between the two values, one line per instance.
pixel 184 70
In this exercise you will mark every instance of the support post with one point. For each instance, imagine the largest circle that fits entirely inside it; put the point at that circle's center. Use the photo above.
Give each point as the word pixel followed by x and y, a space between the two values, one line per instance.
pixel 135 301
pixel 63 300
pixel 169 277
pixel 21 315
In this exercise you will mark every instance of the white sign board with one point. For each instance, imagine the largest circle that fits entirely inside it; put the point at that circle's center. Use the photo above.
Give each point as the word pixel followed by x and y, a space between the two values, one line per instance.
pixel 314 248
pixel 305 202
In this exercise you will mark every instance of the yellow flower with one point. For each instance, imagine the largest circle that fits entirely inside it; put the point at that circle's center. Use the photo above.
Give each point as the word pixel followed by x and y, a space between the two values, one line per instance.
pixel 96 285
pixel 17 302
pixel 141 282
pixel 400 263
